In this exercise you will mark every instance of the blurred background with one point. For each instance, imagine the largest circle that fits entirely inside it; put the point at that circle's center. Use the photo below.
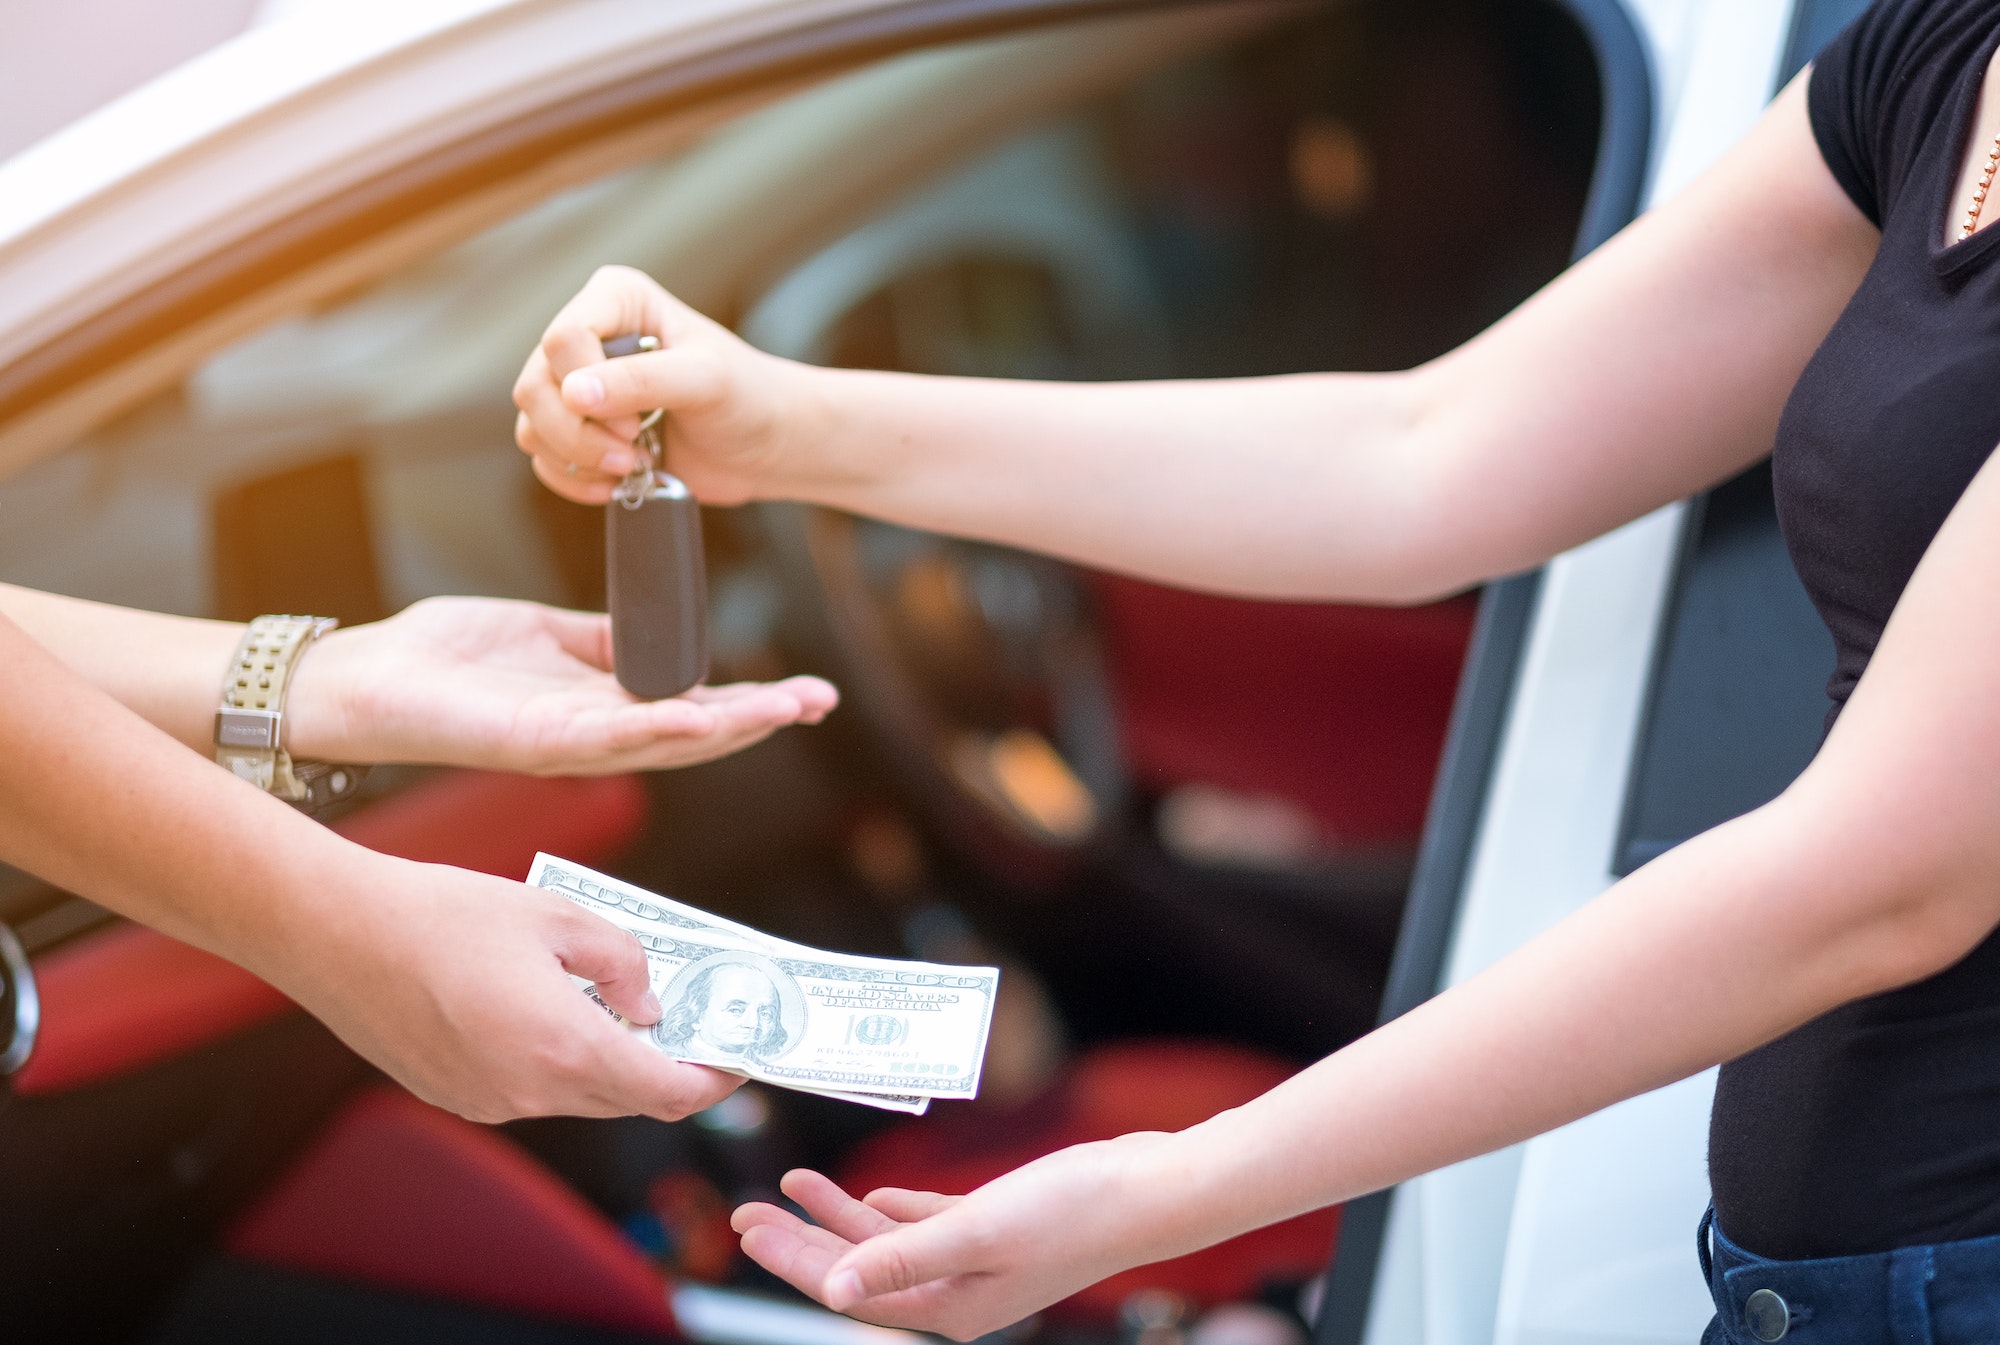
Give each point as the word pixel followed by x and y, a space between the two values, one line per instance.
pixel 63 58
pixel 1182 823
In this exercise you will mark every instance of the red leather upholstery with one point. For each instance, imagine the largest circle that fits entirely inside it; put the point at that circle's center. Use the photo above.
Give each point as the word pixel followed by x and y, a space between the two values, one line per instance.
pixel 127 996
pixel 400 1195
pixel 1339 709
pixel 495 823
pixel 1111 1091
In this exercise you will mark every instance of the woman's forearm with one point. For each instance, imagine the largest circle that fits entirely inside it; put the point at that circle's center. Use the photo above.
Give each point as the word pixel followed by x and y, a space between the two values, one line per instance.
pixel 1717 947
pixel 1652 369
pixel 1293 486
pixel 166 669
pixel 1830 893
pixel 101 803
pixel 400 959
pixel 1878 867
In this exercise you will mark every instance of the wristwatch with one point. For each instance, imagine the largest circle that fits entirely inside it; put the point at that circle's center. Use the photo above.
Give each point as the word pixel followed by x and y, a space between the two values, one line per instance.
pixel 250 725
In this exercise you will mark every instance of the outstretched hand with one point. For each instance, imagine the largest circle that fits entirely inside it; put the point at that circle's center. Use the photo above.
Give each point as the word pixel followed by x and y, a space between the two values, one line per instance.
pixel 459 986
pixel 516 686
pixel 726 401
pixel 965 1265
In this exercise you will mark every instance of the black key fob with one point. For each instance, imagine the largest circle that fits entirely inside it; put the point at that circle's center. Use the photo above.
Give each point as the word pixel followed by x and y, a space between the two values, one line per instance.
pixel 656 584
pixel 656 580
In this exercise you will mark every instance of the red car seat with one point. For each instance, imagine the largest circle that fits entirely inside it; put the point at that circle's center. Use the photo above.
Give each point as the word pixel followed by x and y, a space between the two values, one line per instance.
pixel 399 1195
pixel 392 1195
pixel 1272 692
pixel 1112 1090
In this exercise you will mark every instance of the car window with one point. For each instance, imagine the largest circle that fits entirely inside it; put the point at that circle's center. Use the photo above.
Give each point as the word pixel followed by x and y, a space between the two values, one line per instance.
pixel 406 381
pixel 1182 231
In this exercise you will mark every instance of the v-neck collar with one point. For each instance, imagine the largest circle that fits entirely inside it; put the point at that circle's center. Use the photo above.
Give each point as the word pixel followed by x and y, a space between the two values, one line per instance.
pixel 1950 258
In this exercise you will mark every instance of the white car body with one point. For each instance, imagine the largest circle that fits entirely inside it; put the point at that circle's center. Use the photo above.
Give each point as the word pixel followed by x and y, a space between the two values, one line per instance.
pixel 1585 1234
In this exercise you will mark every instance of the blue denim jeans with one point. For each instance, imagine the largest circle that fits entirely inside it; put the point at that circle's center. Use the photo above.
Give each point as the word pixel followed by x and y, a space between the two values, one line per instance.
pixel 1947 1293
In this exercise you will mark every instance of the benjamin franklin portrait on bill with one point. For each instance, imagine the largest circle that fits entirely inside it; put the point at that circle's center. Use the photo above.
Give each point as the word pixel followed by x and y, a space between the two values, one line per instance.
pixel 729 1008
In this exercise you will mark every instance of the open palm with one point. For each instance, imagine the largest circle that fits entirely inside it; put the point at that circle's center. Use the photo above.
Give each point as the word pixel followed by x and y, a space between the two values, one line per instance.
pixel 517 686
pixel 963 1266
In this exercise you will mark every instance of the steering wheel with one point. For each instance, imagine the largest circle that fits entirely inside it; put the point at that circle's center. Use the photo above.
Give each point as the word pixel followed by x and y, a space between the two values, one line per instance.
pixel 978 670
pixel 979 673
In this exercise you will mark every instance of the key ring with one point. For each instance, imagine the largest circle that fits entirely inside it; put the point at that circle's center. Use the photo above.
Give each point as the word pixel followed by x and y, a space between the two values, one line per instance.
pixel 632 490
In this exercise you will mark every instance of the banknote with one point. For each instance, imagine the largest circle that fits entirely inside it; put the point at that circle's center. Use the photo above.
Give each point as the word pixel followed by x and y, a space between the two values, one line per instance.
pixel 878 1031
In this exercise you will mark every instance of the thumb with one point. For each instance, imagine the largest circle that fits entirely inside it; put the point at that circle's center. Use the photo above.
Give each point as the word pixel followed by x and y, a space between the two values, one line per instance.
pixel 892 1262
pixel 597 950
pixel 677 378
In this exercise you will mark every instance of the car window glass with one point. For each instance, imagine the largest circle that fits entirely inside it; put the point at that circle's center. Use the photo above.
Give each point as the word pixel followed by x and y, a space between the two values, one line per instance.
pixel 409 378
pixel 1194 191
pixel 1192 222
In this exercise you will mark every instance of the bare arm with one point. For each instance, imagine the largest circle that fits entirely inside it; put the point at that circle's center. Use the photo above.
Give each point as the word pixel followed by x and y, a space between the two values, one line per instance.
pixel 1878 867
pixel 166 669
pixel 398 958
pixel 1654 368
pixel 450 681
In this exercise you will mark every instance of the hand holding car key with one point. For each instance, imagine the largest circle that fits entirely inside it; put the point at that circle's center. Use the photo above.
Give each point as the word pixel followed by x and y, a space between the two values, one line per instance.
pixel 656 581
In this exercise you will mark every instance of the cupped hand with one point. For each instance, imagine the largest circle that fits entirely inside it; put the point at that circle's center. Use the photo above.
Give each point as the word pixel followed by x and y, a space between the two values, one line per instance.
pixel 579 412
pixel 516 686
pixel 458 986
pixel 963 1266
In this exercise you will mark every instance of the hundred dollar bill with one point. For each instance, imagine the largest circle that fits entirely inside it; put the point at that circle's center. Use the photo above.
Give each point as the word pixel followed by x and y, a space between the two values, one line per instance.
pixel 873 1030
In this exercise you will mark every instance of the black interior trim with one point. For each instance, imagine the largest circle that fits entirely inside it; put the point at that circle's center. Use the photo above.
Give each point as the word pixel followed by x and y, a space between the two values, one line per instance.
pixel 1736 698
pixel 1499 637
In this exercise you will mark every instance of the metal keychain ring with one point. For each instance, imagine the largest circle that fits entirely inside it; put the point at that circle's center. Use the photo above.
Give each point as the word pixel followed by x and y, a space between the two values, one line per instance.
pixel 638 482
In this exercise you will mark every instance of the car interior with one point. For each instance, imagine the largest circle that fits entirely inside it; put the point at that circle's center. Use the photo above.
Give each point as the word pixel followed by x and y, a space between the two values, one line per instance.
pixel 1185 824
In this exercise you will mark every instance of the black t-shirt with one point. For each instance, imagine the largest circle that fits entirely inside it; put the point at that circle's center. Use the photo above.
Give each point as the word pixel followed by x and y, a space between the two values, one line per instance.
pixel 1878 1125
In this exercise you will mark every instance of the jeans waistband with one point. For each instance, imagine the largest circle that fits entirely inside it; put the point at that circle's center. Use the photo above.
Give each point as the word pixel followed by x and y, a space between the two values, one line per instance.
pixel 1945 1293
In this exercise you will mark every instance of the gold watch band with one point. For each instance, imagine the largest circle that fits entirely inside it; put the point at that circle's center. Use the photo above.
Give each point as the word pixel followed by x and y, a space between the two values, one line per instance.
pixel 250 725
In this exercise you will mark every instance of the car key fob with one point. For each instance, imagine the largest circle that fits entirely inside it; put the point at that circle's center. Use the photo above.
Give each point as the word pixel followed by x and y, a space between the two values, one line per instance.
pixel 656 585
pixel 656 578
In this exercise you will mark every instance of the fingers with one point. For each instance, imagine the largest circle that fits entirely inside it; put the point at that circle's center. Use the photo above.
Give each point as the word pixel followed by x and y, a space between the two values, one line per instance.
pixel 582 448
pixel 913 1255
pixel 834 1209
pixel 615 301
pixel 755 708
pixel 788 1247
pixel 674 378
pixel 600 952
pixel 815 698
pixel 656 746
pixel 699 725
pixel 559 439
pixel 597 467
pixel 632 728
pixel 584 636
pixel 907 1207
pixel 809 1258
pixel 672 1090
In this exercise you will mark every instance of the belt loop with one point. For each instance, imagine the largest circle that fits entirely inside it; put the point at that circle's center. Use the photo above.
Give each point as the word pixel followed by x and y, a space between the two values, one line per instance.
pixel 1911 1270
pixel 1702 1247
